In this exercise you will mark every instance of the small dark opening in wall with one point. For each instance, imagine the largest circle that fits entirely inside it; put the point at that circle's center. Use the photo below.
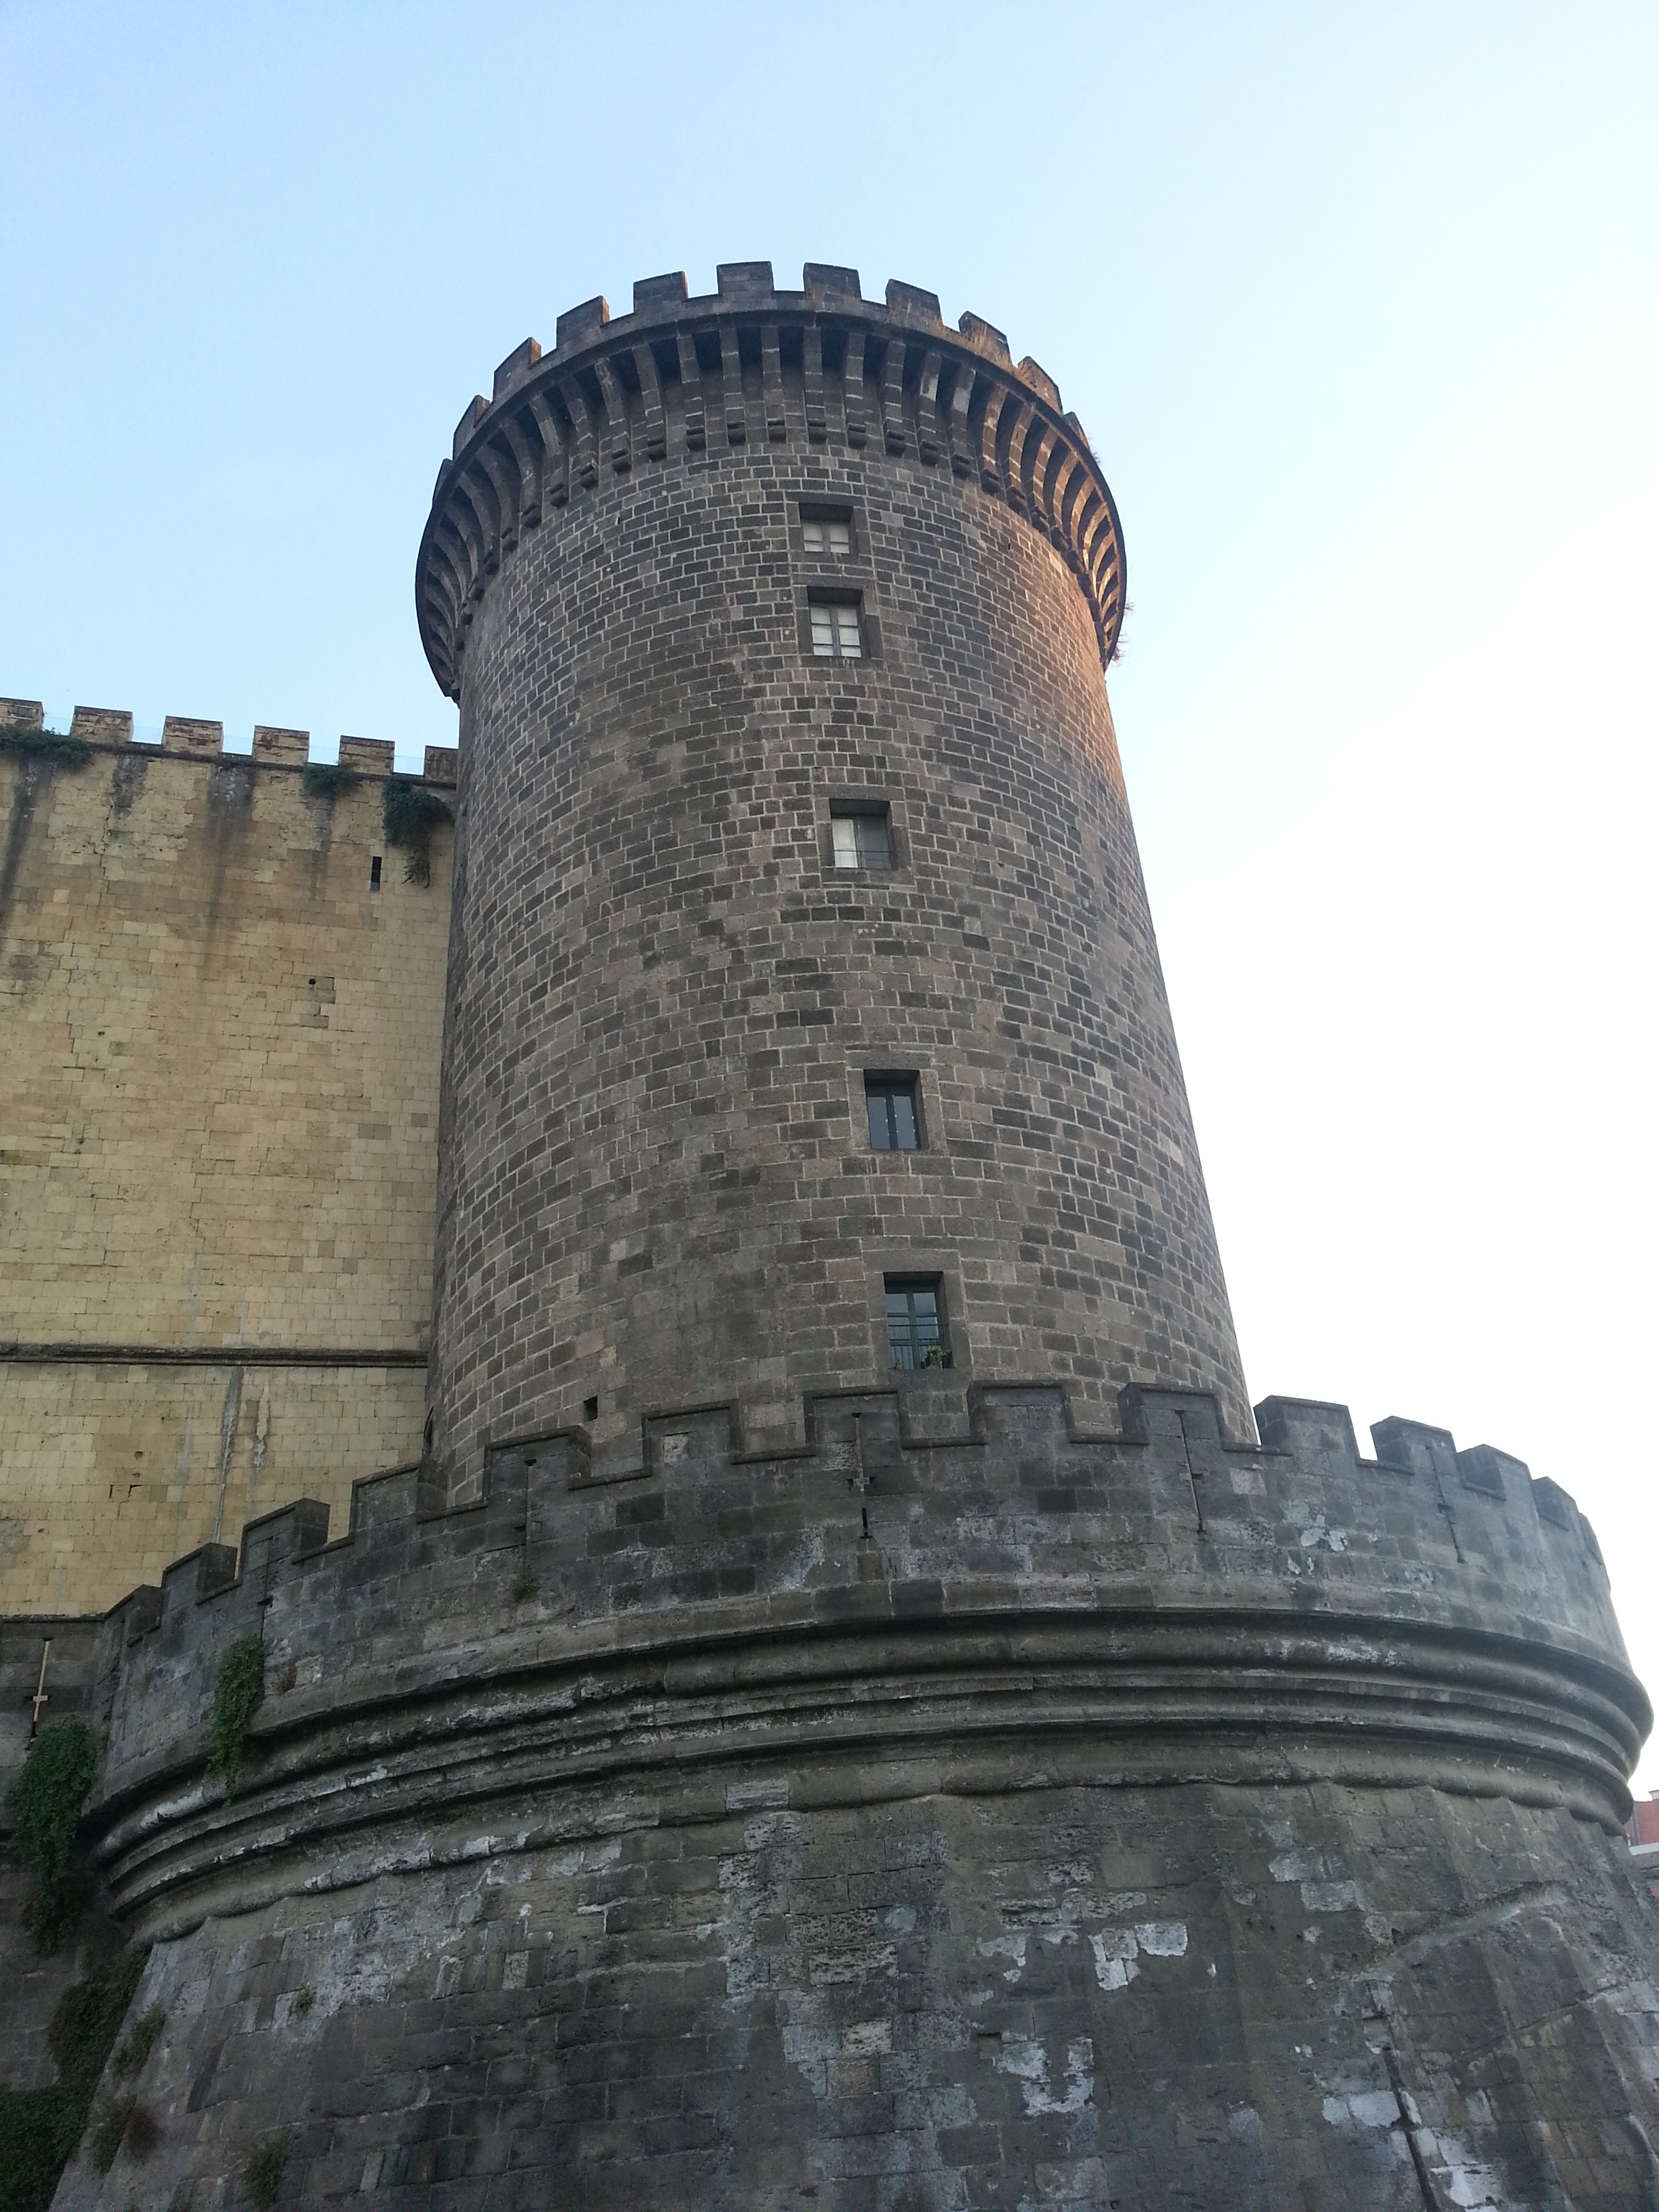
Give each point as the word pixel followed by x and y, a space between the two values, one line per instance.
pixel 431 1428
pixel 590 1409
pixel 375 874
pixel 311 983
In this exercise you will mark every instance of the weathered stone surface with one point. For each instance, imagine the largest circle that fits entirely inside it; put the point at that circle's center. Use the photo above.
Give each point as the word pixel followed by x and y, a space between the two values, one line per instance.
pixel 656 1182
pixel 218 1133
pixel 951 1824
pixel 721 1772
pixel 1052 1993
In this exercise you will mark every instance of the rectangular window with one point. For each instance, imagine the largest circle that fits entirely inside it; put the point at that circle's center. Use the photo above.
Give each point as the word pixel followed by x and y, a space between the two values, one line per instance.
pixel 861 841
pixel 826 537
pixel 836 634
pixel 894 1120
pixel 915 1323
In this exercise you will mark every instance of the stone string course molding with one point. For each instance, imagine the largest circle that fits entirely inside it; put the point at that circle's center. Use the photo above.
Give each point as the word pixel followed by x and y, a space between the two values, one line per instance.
pixel 959 1578
pixel 190 737
pixel 819 366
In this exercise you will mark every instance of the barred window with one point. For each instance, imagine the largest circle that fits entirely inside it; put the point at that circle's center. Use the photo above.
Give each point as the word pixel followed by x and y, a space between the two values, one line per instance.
pixel 915 1323
pixel 837 634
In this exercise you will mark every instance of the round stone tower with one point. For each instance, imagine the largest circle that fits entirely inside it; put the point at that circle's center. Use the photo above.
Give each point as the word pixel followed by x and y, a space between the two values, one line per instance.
pixel 805 1016
pixel 849 1712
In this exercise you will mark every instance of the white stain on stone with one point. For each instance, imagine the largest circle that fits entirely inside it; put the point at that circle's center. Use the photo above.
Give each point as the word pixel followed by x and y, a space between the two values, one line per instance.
pixel 803 1562
pixel 1115 1949
pixel 1321 1892
pixel 1028 2061
pixel 1005 1946
pixel 769 1794
pixel 1464 2180
pixel 1114 1965
pixel 1457 2175
pixel 1333 1539
pixel 1365 2108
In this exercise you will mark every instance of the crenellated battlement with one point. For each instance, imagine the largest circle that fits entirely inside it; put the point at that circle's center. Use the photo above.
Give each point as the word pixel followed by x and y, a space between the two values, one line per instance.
pixel 925 1461
pixel 1423 1615
pixel 818 368
pixel 188 737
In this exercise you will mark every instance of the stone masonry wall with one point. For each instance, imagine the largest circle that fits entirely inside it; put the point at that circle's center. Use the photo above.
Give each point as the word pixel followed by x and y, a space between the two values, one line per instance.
pixel 1309 1999
pixel 656 1181
pixel 963 1813
pixel 218 1098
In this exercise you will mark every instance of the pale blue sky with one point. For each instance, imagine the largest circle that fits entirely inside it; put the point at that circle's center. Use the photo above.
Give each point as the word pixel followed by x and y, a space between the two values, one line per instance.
pixel 1361 312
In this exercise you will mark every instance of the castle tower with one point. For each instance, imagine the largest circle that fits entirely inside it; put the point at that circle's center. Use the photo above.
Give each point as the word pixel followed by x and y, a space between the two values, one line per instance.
pixel 749 1761
pixel 805 1012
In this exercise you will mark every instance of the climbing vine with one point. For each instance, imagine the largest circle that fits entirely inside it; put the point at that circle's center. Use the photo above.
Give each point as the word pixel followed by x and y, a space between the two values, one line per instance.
pixel 238 1693
pixel 51 746
pixel 40 2128
pixel 264 2169
pixel 43 1807
pixel 324 779
pixel 410 813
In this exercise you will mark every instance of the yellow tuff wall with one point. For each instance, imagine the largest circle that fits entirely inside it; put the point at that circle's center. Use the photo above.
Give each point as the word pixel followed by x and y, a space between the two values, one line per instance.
pixel 218 1120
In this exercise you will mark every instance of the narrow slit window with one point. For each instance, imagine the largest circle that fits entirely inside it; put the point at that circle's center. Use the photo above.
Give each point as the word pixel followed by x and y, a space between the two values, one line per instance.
pixel 916 1338
pixel 837 634
pixel 375 874
pixel 827 537
pixel 890 1103
pixel 861 841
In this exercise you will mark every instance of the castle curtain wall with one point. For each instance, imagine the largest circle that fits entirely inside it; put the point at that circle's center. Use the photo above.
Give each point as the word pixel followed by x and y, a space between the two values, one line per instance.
pixel 218 1104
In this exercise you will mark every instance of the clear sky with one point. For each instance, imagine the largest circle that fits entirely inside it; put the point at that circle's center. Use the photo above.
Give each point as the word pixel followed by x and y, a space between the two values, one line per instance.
pixel 1360 308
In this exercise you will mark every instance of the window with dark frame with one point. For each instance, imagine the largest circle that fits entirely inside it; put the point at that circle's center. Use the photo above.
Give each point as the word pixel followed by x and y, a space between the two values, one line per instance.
pixel 916 1337
pixel 861 837
pixel 837 633
pixel 893 1113
pixel 828 536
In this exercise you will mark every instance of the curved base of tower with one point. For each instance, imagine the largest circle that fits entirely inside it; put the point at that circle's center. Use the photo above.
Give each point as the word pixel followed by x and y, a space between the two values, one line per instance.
pixel 961 1812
